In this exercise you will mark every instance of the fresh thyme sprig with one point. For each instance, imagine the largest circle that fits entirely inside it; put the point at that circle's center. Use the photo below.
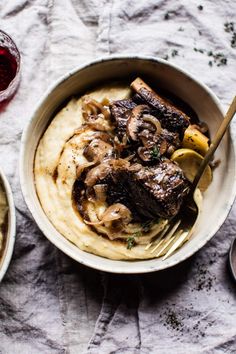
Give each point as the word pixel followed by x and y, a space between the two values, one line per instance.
pixel 155 153
pixel 130 242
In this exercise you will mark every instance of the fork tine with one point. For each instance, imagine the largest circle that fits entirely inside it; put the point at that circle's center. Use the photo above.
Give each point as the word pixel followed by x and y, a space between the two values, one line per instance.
pixel 168 236
pixel 179 241
pixel 167 243
pixel 160 243
pixel 161 234
pixel 159 238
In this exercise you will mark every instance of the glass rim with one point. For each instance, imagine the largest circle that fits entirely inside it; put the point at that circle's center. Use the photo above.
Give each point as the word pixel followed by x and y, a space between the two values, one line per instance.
pixel 15 47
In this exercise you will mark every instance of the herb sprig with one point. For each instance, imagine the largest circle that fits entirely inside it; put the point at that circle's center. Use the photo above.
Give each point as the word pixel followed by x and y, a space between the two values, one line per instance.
pixel 218 59
pixel 130 242
pixel 229 28
pixel 155 153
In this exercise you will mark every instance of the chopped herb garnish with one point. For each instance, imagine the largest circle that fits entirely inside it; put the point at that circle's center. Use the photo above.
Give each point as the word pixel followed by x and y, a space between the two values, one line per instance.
pixel 222 61
pixel 200 7
pixel 174 53
pixel 199 50
pixel 167 15
pixel 229 27
pixel 155 153
pixel 218 59
pixel 130 242
pixel 233 40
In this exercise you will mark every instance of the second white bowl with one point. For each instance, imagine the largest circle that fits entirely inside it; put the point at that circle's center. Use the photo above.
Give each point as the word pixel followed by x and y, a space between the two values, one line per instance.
pixel 11 227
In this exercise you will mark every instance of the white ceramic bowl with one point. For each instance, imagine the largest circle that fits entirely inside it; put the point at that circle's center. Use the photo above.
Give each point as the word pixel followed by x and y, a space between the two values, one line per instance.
pixel 217 200
pixel 11 227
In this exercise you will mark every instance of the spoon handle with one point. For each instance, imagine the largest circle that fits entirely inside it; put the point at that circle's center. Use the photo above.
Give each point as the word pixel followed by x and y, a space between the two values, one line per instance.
pixel 215 143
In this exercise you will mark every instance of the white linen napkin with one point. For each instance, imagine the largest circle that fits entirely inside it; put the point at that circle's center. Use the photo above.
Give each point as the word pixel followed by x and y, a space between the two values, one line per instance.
pixel 51 304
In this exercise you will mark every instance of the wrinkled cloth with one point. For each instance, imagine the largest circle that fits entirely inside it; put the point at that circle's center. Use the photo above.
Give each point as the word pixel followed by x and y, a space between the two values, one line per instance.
pixel 48 302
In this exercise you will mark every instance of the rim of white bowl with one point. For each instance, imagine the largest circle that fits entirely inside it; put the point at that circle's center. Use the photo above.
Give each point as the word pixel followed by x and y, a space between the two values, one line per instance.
pixel 95 265
pixel 11 227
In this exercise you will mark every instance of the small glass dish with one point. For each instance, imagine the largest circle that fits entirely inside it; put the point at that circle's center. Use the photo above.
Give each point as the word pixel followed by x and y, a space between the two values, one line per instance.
pixel 9 67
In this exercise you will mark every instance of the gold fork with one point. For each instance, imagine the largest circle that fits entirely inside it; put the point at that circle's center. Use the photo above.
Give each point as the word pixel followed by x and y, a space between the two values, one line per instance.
pixel 172 239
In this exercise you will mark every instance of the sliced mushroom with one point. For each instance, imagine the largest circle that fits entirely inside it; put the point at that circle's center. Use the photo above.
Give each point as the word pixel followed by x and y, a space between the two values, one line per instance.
pixel 96 115
pixel 114 212
pixel 144 154
pixel 119 164
pixel 146 138
pixel 99 135
pixel 154 121
pixel 135 121
pixel 163 147
pixel 80 168
pixel 153 150
pixel 98 150
pixel 117 211
pixel 99 123
pixel 97 173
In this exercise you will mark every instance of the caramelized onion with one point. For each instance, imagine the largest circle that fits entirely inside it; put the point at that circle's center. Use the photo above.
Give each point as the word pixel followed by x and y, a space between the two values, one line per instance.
pixel 100 124
pixel 114 212
pixel 163 147
pixel 144 154
pixel 117 211
pixel 98 135
pixel 100 222
pixel 130 157
pixel 100 192
pixel 134 121
pixel 92 107
pixel 97 150
pixel 120 145
pixel 119 163
pixel 96 115
pixel 96 173
pixel 103 136
pixel 81 168
pixel 146 138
